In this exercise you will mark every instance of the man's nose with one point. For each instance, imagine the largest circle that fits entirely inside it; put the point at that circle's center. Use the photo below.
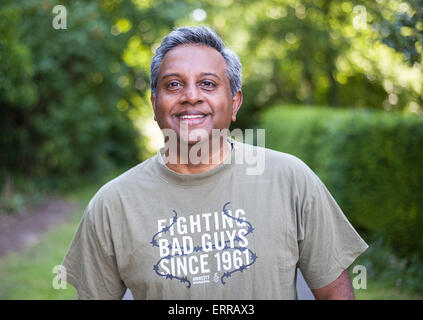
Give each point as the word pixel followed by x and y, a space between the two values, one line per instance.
pixel 191 94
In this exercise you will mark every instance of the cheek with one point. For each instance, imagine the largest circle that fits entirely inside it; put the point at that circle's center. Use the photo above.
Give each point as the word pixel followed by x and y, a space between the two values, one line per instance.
pixel 225 111
pixel 160 116
pixel 162 107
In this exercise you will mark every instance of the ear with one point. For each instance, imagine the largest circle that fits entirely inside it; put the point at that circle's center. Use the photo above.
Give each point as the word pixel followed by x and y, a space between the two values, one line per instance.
pixel 236 104
pixel 153 103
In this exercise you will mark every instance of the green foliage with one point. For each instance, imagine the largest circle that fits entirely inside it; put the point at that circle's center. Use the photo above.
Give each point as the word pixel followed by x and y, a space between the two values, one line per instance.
pixel 59 118
pixel 16 60
pixel 401 276
pixel 370 161
pixel 314 52
pixel 405 33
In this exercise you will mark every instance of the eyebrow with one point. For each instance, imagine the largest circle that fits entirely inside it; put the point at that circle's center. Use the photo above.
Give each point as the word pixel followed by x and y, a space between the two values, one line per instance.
pixel 210 74
pixel 178 75
pixel 170 75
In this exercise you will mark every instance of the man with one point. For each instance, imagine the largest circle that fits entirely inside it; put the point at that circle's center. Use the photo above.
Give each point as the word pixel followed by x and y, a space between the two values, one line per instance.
pixel 192 222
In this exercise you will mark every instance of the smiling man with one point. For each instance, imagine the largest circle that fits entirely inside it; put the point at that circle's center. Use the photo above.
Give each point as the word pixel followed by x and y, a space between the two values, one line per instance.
pixel 192 95
pixel 174 228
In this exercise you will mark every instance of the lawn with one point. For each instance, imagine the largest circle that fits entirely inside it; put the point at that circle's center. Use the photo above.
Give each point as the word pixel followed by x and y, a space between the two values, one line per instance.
pixel 28 274
pixel 379 291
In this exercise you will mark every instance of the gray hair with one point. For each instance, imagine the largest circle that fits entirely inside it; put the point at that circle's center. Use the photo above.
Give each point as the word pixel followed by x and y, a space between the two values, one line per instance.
pixel 197 35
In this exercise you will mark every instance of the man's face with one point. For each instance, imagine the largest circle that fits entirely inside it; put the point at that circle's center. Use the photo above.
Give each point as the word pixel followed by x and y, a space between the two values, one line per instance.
pixel 193 93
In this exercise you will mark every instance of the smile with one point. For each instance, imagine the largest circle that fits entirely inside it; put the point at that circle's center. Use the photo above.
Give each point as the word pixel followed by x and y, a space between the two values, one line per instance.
pixel 191 117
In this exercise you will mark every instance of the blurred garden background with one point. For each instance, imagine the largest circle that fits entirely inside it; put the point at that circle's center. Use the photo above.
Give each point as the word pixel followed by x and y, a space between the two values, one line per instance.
pixel 337 83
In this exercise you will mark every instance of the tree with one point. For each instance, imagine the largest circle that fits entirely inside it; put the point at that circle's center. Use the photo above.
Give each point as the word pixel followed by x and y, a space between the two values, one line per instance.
pixel 405 32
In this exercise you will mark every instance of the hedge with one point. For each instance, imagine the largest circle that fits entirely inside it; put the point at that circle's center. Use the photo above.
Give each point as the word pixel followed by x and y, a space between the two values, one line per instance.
pixel 371 161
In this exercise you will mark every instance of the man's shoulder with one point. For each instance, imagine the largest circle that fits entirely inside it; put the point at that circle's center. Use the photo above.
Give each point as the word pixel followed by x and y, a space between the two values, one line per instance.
pixel 291 171
pixel 289 165
pixel 284 160
pixel 276 160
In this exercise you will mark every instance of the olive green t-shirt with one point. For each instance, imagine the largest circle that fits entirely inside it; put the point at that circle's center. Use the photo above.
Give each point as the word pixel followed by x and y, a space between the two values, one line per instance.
pixel 220 234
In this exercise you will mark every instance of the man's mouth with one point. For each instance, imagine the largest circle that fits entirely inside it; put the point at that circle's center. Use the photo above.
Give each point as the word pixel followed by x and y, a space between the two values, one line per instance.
pixel 191 118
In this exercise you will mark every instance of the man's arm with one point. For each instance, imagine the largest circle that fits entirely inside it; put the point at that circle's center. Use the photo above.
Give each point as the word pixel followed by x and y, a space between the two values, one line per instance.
pixel 340 289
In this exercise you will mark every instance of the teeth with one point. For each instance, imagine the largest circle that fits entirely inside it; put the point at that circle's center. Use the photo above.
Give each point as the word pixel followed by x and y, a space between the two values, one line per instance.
pixel 191 117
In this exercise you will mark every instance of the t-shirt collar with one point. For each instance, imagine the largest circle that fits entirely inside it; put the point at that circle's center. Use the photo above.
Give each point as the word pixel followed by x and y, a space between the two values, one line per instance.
pixel 211 175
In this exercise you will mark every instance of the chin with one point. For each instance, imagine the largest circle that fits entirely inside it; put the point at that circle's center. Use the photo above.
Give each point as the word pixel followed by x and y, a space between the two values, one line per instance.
pixel 191 142
pixel 194 136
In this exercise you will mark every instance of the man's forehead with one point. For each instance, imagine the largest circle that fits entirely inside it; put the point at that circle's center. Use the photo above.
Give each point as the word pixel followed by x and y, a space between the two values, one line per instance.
pixel 193 58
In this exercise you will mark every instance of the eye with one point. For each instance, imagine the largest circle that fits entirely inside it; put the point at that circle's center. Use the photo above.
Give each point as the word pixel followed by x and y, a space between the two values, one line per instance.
pixel 172 85
pixel 208 84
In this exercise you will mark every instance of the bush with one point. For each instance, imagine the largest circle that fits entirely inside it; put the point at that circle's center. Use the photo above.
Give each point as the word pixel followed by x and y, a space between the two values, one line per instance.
pixel 370 161
pixel 59 121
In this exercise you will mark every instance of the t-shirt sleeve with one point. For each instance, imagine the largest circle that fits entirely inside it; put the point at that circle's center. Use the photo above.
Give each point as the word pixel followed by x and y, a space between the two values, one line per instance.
pixel 90 264
pixel 328 243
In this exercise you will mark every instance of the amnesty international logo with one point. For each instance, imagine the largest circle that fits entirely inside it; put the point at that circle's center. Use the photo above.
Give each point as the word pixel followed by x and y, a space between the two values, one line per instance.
pixel 223 241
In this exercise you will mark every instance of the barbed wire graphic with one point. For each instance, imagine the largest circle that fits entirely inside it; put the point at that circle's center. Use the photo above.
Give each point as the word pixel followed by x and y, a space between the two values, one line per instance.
pixel 253 254
pixel 198 248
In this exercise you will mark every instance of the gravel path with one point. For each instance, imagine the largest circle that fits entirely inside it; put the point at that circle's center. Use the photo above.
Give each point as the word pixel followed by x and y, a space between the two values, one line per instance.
pixel 18 231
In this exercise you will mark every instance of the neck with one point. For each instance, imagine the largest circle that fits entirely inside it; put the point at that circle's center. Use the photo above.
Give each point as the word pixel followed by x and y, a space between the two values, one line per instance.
pixel 197 158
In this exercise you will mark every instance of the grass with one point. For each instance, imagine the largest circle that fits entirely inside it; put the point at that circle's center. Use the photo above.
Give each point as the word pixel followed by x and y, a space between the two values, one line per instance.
pixel 28 274
pixel 380 291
